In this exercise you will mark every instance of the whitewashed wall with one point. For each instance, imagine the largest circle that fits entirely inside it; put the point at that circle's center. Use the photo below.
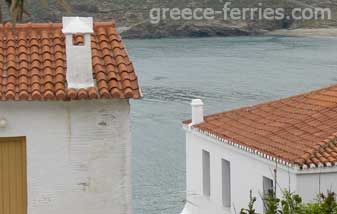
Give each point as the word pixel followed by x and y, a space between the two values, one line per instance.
pixel 311 183
pixel 78 154
pixel 247 173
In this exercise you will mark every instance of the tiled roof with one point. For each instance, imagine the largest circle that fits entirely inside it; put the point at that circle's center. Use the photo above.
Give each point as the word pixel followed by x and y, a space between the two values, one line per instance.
pixel 299 130
pixel 33 64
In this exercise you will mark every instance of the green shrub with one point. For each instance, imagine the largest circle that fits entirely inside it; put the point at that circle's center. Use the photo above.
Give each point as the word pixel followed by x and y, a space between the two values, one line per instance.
pixel 313 208
pixel 291 203
pixel 271 204
pixel 250 209
pixel 328 203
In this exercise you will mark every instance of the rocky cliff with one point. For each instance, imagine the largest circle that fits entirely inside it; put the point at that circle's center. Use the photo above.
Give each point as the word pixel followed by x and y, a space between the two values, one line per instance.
pixel 133 20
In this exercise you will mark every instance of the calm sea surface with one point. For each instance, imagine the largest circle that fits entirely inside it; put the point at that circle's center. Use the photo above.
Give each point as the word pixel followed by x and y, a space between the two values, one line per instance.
pixel 226 73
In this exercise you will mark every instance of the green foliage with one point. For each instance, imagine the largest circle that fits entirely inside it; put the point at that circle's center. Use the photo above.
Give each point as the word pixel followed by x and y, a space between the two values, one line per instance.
pixel 328 203
pixel 291 203
pixel 271 204
pixel 250 209
pixel 325 204
pixel 313 208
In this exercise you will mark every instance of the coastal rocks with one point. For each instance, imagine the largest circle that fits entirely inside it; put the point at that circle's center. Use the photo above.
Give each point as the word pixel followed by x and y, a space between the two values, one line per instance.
pixel 148 30
pixel 133 17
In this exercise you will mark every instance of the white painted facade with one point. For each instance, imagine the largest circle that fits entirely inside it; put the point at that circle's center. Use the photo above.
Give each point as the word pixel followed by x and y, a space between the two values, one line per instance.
pixel 247 171
pixel 78 154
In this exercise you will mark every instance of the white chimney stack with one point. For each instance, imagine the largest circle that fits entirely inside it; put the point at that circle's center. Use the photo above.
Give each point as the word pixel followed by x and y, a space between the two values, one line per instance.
pixel 79 57
pixel 197 111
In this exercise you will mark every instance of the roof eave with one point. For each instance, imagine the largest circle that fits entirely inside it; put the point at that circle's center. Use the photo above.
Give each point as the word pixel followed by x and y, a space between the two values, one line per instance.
pixel 297 168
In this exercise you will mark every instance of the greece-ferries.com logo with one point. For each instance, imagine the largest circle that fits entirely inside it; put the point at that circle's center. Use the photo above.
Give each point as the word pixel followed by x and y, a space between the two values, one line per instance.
pixel 233 13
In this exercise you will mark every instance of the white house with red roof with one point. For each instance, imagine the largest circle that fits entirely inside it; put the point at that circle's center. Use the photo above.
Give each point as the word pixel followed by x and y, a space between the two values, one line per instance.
pixel 288 144
pixel 65 118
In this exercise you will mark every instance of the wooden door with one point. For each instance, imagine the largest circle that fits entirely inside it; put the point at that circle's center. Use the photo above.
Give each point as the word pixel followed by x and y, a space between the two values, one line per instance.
pixel 13 176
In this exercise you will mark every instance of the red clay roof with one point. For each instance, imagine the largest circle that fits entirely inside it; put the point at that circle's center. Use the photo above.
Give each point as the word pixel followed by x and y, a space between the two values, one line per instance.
pixel 33 64
pixel 300 130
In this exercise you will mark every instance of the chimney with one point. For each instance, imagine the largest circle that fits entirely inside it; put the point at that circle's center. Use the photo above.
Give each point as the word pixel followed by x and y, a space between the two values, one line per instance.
pixel 79 59
pixel 197 111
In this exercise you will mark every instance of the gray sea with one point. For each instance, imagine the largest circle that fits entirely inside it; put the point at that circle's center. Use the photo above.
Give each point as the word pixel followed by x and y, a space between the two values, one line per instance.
pixel 226 73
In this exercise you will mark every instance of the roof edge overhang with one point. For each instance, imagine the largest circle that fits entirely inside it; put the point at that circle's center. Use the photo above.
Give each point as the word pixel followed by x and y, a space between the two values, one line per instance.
pixel 254 153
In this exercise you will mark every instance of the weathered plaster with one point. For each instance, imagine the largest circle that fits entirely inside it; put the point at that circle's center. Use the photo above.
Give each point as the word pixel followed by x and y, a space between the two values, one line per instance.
pixel 78 154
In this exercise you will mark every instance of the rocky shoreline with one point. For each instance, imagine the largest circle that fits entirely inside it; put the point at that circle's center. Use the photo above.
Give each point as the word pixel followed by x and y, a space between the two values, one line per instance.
pixel 133 19
pixel 305 32
pixel 149 31
pixel 192 30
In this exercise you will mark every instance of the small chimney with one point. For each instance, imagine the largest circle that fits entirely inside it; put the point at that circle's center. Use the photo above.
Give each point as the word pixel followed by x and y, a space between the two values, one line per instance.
pixel 197 111
pixel 79 59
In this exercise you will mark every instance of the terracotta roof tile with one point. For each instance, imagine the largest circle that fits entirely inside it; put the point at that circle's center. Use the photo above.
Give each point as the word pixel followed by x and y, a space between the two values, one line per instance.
pixel 33 64
pixel 300 130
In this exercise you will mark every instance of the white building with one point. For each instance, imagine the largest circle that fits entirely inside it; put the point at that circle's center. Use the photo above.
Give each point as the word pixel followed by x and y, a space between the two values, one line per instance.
pixel 291 141
pixel 64 119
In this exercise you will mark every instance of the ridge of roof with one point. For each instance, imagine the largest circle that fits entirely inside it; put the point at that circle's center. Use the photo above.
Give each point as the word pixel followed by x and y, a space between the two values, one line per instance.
pixel 300 129
pixel 49 25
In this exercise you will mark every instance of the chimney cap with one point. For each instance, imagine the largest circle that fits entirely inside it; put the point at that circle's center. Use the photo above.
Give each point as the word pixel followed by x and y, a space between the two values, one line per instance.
pixel 197 102
pixel 72 25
